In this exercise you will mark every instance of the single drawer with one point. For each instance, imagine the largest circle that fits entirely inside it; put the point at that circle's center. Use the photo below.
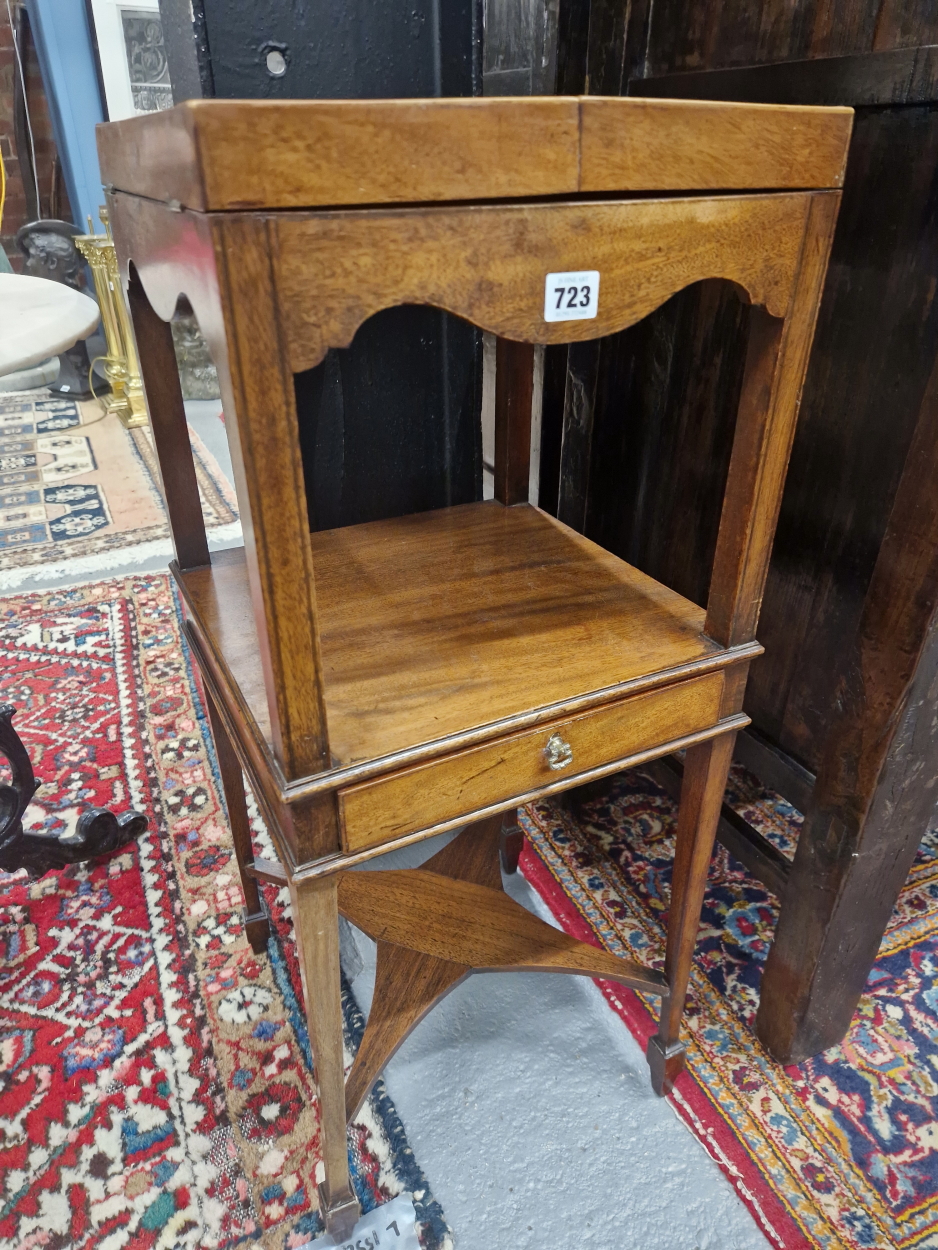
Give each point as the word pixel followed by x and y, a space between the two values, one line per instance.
pixel 459 785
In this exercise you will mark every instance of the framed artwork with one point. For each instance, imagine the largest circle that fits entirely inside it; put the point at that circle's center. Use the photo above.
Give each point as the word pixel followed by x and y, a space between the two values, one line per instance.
pixel 131 56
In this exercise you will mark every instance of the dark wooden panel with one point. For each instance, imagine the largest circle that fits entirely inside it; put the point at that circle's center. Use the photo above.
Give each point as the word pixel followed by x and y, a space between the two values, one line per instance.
pixel 618 36
pixel 876 341
pixel 664 410
pixel 901 76
pixel 775 769
pixel 577 435
pixel 875 793
pixel 906 23
pixel 665 415
pixel 690 35
pixel 383 429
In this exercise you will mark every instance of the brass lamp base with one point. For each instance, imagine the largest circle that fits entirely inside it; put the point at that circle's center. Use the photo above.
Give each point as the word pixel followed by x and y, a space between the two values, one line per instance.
pixel 126 400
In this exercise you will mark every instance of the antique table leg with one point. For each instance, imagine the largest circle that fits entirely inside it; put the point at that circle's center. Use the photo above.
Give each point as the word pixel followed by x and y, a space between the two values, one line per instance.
pixel 511 843
pixel 705 771
pixel 256 925
pixel 316 921
pixel 98 832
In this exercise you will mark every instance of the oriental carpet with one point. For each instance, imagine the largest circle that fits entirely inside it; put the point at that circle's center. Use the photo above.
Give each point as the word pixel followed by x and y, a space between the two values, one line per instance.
pixel 840 1152
pixel 80 495
pixel 155 1075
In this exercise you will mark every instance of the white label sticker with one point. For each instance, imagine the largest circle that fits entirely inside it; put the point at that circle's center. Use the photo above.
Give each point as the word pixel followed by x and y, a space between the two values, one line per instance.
pixel 389 1227
pixel 571 296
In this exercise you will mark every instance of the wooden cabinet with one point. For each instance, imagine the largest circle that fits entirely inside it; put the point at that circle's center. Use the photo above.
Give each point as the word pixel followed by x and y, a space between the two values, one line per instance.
pixel 383 681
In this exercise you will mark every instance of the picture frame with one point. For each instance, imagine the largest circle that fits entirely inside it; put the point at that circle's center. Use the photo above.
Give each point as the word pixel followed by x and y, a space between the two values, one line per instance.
pixel 132 62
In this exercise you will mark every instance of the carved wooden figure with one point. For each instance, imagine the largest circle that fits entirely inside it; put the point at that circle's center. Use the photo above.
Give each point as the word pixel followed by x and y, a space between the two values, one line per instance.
pixel 388 681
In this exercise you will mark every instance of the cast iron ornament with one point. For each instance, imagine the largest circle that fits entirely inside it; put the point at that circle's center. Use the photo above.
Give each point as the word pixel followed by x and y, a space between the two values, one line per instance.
pixel 98 832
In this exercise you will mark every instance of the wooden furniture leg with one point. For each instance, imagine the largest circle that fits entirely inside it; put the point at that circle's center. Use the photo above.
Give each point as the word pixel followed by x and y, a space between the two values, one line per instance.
pixel 705 771
pixel 511 843
pixel 256 924
pixel 316 921
pixel 168 424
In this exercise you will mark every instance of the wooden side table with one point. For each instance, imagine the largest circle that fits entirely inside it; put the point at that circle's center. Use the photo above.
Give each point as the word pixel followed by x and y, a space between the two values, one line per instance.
pixel 388 681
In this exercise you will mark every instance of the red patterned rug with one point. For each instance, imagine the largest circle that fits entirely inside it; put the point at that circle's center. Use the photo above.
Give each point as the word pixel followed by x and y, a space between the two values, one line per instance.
pixel 155 1076
pixel 840 1152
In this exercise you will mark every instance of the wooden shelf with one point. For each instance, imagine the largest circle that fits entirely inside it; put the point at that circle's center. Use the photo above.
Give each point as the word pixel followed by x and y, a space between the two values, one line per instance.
pixel 438 623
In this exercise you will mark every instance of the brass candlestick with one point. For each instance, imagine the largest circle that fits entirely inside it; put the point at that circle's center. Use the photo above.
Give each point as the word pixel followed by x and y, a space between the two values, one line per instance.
pixel 121 366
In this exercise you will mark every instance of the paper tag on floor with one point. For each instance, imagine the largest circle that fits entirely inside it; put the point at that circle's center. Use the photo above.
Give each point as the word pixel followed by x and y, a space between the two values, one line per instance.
pixel 391 1227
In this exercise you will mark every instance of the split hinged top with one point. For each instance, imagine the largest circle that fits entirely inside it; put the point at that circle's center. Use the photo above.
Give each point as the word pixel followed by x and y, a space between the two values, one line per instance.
pixel 230 155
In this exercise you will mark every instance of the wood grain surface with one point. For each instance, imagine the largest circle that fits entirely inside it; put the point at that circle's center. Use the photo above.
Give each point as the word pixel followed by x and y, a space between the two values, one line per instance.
pixel 662 146
pixel 243 155
pixel 432 794
pixel 472 925
pixel 514 393
pixel 436 622
pixel 316 924
pixel 487 263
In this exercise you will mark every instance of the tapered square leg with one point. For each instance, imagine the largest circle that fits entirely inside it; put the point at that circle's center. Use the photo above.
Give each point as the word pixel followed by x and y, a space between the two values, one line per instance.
pixel 256 925
pixel 706 766
pixel 316 922
pixel 511 843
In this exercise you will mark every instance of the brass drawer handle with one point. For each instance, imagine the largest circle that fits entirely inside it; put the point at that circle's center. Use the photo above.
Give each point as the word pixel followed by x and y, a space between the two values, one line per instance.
pixel 558 753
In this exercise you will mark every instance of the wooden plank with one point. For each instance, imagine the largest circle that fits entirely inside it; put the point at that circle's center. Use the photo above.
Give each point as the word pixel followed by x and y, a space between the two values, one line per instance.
pixel 577 431
pixel 688 34
pixel 775 371
pixel 472 925
pixel 897 76
pixel 301 153
pixel 514 392
pixel 875 792
pixel 487 263
pixel 659 145
pixel 236 155
pixel 905 23
pixel 775 769
pixel 875 347
pixel 755 852
pixel 485 776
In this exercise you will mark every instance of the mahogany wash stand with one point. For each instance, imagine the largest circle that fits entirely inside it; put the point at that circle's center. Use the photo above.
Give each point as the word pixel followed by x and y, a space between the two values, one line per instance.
pixel 388 681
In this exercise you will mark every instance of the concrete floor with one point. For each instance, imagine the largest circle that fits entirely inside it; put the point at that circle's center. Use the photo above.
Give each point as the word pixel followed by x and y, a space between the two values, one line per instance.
pixel 527 1103
pixel 528 1106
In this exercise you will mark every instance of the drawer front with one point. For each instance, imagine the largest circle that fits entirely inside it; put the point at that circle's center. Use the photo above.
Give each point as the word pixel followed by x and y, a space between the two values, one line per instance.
pixel 458 785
